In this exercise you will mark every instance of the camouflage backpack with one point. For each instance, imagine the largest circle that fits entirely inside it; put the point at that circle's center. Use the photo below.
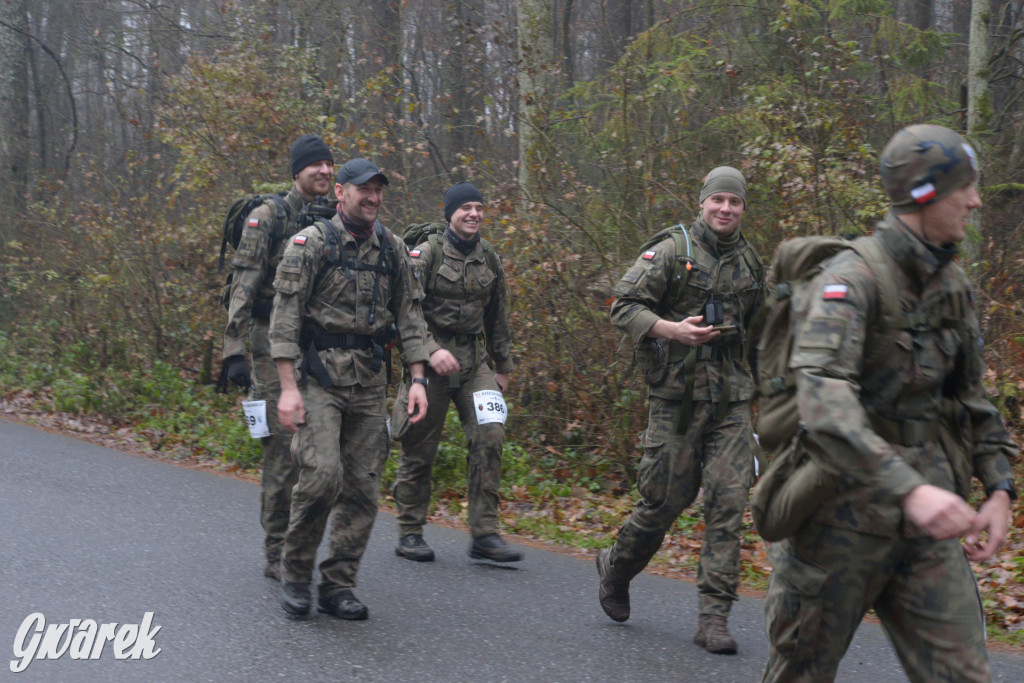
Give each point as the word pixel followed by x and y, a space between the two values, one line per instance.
pixel 234 226
pixel 795 264
pixel 418 233
pixel 234 222
pixel 790 489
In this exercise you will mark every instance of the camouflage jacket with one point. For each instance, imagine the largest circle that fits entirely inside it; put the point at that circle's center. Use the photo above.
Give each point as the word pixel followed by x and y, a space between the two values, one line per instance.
pixel 309 293
pixel 718 269
pixel 851 372
pixel 468 298
pixel 254 267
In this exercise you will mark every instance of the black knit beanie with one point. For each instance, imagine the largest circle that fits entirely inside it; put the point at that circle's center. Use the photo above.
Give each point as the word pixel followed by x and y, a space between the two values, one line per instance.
pixel 457 195
pixel 307 150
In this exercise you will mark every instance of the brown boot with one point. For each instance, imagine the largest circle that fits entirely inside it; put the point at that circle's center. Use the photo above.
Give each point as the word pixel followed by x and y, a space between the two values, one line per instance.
pixel 614 597
pixel 713 635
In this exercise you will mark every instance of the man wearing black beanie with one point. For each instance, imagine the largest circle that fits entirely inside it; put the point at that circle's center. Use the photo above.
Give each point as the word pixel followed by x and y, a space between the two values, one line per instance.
pixel 266 233
pixel 465 306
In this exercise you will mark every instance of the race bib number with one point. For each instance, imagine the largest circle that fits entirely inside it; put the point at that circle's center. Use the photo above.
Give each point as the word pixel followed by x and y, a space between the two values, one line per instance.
pixel 490 407
pixel 256 418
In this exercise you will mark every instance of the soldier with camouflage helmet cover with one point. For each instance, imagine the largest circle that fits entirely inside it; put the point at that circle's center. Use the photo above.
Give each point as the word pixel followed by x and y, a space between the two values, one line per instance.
pixel 699 427
pixel 252 294
pixel 898 412
pixel 465 306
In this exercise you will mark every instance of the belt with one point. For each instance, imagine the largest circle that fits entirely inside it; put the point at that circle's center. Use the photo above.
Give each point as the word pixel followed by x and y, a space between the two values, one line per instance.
pixel 327 340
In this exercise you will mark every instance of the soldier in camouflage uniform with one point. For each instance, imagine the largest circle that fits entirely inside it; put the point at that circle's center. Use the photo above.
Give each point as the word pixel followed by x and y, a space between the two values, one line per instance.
pixel 874 401
pixel 252 294
pixel 699 427
pixel 334 287
pixel 469 346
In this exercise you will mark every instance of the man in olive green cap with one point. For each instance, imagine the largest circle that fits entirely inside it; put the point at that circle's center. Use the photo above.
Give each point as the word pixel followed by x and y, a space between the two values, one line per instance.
pixel 699 427
pixel 897 410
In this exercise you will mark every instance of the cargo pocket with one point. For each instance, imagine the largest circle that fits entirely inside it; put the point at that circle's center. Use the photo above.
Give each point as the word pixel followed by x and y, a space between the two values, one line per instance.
pixel 652 475
pixel 796 604
pixel 400 413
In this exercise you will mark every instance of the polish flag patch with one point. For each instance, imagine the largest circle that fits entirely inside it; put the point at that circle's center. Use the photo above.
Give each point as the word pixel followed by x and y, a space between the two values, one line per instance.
pixel 300 239
pixel 649 255
pixel 923 194
pixel 415 253
pixel 835 292
pixel 254 222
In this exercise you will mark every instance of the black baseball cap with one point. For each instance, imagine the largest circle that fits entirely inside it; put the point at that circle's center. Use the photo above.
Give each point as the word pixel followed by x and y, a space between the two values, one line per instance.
pixel 359 171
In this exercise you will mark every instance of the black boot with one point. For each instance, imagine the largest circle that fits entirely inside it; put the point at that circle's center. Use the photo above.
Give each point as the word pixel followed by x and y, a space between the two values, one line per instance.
pixel 295 598
pixel 344 605
pixel 413 547
pixel 614 597
pixel 492 547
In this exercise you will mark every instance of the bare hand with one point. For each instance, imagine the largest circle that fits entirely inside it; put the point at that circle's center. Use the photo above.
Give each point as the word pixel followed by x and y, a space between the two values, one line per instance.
pixel 290 409
pixel 443 362
pixel 417 403
pixel 689 331
pixel 992 519
pixel 503 378
pixel 938 512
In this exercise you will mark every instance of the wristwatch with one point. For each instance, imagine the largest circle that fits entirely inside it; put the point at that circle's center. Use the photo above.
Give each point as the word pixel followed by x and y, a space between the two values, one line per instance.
pixel 1004 485
pixel 421 380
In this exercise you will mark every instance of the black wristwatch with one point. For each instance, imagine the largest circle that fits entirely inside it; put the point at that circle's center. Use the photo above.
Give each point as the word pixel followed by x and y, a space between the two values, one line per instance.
pixel 1004 485
pixel 421 380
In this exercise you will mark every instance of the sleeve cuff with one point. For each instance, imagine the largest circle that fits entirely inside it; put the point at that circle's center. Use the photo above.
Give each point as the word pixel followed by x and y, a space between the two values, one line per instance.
pixel 285 350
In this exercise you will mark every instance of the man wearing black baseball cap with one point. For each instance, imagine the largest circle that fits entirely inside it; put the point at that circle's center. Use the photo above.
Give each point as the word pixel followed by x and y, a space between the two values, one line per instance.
pixel 266 232
pixel 336 285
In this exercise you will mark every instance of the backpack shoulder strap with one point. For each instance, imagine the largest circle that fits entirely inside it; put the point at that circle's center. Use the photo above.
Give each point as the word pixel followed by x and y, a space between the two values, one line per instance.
pixel 890 315
pixel 683 252
pixel 436 258
pixel 491 257
pixel 281 212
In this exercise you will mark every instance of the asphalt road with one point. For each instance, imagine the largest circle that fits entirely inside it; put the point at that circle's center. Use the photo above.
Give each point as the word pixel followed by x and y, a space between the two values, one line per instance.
pixel 92 533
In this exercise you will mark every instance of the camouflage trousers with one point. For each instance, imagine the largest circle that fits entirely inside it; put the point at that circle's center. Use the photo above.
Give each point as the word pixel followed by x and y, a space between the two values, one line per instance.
pixel 825 578
pixel 341 451
pixel 419 447
pixel 279 470
pixel 715 453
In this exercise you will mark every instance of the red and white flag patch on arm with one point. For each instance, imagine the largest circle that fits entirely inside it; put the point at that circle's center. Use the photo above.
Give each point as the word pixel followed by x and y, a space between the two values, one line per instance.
pixel 300 239
pixel 415 253
pixel 649 255
pixel 835 292
pixel 254 222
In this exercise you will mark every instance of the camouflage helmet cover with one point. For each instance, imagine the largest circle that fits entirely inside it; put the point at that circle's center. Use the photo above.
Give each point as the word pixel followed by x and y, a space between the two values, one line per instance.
pixel 924 163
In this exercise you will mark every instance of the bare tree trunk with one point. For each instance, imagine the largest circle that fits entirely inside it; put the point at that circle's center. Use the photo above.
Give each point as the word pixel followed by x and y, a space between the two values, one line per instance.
pixel 536 57
pixel 14 112
pixel 979 107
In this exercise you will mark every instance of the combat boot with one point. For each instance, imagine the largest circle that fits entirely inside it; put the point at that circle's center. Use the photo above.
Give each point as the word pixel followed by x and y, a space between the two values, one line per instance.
pixel 713 635
pixel 344 605
pixel 614 597
pixel 273 570
pixel 413 547
pixel 492 547
pixel 295 598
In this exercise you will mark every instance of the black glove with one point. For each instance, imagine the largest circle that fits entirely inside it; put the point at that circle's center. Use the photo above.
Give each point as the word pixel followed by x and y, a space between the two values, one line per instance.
pixel 237 370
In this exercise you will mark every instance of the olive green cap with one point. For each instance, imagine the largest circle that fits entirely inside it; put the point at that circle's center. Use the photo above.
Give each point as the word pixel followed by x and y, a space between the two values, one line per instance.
pixel 724 179
pixel 924 163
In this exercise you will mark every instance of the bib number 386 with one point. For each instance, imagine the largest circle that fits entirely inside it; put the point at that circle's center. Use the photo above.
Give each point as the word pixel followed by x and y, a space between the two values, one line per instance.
pixel 490 407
